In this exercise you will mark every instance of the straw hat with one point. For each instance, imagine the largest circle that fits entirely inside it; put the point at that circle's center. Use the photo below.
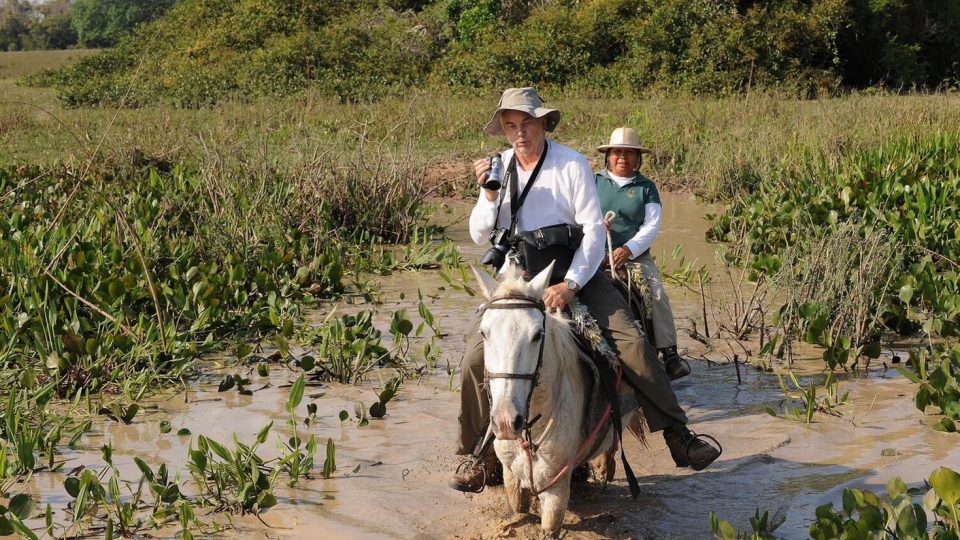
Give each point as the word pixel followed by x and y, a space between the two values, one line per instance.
pixel 624 137
pixel 524 100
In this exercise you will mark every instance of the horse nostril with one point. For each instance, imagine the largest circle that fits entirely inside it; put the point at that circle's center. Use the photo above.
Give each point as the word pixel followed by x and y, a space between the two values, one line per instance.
pixel 518 423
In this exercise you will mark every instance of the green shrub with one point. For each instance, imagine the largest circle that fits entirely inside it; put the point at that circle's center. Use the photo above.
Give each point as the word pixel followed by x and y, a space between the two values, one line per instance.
pixel 908 189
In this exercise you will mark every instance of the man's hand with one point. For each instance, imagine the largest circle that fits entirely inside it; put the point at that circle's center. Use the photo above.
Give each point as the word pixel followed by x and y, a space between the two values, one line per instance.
pixel 558 296
pixel 480 168
pixel 621 256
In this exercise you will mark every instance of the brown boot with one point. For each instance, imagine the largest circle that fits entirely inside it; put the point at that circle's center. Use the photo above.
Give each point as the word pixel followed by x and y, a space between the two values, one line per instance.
pixel 676 367
pixel 473 476
pixel 689 449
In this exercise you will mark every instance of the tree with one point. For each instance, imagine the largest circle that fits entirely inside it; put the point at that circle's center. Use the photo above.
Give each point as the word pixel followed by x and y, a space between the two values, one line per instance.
pixel 14 24
pixel 100 23
pixel 51 28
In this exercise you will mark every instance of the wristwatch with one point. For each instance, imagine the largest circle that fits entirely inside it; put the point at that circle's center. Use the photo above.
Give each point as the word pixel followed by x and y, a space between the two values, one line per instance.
pixel 572 285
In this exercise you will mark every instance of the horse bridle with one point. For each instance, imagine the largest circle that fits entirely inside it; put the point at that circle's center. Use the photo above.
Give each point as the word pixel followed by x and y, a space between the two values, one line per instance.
pixel 518 301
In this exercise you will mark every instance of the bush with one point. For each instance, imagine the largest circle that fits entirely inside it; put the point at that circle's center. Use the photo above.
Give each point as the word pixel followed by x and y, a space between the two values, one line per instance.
pixel 906 189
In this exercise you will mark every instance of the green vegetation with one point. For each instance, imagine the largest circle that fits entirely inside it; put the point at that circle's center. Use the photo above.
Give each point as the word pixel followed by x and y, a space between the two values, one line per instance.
pixel 101 23
pixel 867 515
pixel 61 24
pixel 937 372
pixel 363 49
pixel 898 203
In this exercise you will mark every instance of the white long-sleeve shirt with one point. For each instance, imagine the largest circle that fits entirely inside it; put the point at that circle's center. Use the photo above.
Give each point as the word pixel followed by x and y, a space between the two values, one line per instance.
pixel 564 192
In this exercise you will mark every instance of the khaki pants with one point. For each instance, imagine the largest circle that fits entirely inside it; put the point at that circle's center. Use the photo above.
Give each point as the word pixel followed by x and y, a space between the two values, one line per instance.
pixel 643 370
pixel 664 330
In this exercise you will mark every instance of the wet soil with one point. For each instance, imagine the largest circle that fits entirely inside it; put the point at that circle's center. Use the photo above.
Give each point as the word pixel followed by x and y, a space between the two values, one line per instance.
pixel 392 474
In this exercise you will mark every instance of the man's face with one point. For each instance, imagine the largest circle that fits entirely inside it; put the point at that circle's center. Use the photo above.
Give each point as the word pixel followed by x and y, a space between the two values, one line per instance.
pixel 623 161
pixel 524 132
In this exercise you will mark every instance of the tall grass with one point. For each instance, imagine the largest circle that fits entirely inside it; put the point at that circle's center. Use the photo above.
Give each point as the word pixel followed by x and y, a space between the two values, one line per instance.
pixel 716 147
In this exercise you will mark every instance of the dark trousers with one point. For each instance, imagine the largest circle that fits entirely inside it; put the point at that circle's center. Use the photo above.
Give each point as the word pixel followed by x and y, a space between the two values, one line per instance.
pixel 641 366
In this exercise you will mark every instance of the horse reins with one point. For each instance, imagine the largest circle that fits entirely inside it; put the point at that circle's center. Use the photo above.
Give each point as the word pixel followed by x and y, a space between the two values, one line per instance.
pixel 526 442
pixel 520 302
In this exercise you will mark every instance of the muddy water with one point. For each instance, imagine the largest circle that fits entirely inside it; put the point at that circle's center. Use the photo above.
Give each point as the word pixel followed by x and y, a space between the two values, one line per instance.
pixel 391 475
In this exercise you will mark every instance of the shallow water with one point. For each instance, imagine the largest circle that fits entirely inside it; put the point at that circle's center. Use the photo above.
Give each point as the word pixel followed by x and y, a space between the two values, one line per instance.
pixel 404 458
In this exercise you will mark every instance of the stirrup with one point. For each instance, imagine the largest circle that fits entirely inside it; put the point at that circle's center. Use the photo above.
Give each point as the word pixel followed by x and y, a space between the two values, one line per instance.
pixel 475 462
pixel 686 448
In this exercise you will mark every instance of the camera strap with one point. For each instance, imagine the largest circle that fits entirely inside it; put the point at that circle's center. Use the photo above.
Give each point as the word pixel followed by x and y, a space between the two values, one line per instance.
pixel 516 203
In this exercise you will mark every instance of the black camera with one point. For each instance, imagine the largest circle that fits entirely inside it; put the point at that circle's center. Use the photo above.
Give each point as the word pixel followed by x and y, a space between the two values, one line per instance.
pixel 497 254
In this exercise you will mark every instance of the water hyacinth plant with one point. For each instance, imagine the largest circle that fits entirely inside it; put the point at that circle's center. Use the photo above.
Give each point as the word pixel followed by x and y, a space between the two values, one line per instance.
pixel 900 203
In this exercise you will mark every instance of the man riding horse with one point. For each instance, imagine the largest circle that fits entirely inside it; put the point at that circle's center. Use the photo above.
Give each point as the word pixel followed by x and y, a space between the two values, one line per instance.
pixel 550 199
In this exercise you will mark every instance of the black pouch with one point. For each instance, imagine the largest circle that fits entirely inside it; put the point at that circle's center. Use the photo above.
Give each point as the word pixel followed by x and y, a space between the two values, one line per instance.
pixel 556 243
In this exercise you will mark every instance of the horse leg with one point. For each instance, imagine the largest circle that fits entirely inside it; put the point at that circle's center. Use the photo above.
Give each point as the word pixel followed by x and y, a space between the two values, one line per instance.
pixel 605 465
pixel 553 505
pixel 517 497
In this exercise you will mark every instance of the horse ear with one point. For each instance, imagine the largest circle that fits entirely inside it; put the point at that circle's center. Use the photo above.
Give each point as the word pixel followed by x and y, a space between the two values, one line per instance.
pixel 487 283
pixel 541 280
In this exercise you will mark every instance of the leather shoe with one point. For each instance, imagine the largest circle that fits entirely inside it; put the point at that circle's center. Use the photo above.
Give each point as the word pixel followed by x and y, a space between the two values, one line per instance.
pixel 676 367
pixel 689 449
pixel 473 476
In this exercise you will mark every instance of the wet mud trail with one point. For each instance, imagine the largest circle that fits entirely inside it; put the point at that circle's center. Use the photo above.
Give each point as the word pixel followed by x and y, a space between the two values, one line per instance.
pixel 391 475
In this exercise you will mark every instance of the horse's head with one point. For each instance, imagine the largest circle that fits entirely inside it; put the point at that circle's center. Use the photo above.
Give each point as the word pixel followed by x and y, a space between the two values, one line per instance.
pixel 513 326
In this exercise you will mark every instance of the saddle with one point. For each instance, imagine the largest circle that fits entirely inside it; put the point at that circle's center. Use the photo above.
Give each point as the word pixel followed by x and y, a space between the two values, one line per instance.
pixel 600 367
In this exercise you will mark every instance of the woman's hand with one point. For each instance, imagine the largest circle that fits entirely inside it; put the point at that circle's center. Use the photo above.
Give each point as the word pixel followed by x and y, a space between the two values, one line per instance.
pixel 621 256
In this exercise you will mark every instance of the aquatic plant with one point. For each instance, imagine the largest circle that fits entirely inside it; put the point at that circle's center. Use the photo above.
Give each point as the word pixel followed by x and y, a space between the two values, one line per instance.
pixel 937 372
pixel 864 514
pixel 823 399
pixel 899 203
pixel 762 526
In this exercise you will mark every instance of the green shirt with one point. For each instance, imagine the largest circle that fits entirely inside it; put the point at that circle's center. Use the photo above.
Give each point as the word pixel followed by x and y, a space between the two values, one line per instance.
pixel 628 202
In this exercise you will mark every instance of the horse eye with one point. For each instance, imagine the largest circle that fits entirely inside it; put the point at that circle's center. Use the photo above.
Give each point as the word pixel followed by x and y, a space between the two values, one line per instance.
pixel 538 336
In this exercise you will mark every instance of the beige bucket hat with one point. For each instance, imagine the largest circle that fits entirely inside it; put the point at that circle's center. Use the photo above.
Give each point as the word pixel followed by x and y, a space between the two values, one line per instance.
pixel 624 137
pixel 525 100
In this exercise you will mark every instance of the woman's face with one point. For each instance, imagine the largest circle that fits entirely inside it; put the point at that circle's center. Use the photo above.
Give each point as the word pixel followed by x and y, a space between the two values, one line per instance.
pixel 623 161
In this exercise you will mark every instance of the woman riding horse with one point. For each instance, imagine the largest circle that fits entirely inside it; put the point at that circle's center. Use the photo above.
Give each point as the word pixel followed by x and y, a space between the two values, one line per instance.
pixel 635 201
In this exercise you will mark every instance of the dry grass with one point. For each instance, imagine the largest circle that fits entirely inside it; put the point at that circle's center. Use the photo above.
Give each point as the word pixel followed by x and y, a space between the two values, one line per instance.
pixel 715 146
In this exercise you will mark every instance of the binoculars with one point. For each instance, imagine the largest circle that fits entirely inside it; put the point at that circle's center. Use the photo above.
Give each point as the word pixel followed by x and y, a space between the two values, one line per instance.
pixel 495 177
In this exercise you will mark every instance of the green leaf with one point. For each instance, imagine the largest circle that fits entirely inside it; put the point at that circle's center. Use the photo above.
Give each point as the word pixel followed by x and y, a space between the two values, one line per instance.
pixel 906 293
pixel 6 528
pixel 896 487
pixel 296 394
pixel 219 450
pixel 727 532
pixel 912 520
pixel 330 463
pixel 72 485
pixel 21 505
pixel 266 500
pixel 226 384
pixel 946 483
pixel 183 432
pixel 908 374
pixel 144 468
pixel 946 425
pixel 872 350
pixel 262 434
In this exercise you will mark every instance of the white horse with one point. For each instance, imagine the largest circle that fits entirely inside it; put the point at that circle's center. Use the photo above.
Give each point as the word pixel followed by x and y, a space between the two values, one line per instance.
pixel 537 395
